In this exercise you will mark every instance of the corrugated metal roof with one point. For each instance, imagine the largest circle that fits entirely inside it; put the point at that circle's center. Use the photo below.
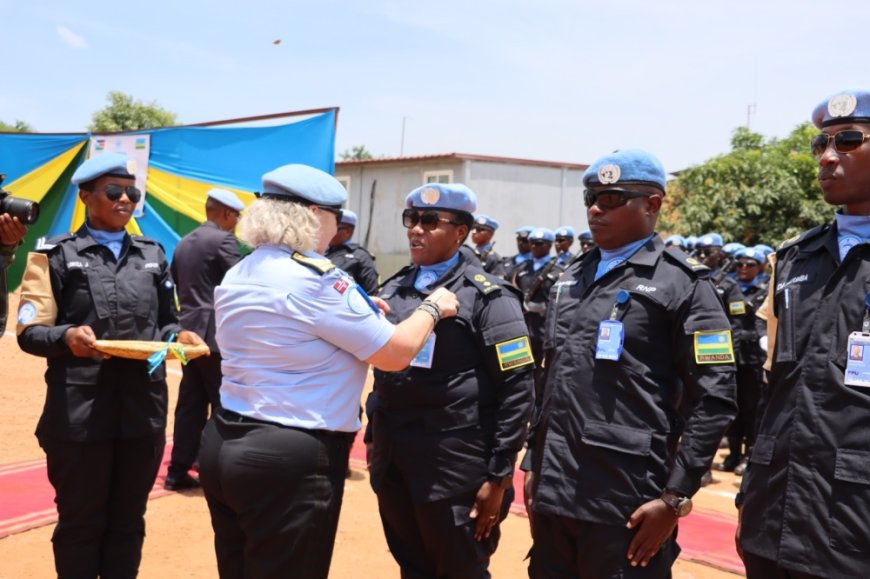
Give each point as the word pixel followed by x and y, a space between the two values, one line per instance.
pixel 460 157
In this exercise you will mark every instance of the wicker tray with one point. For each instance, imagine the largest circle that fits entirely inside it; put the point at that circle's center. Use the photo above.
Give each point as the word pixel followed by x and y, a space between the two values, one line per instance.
pixel 141 349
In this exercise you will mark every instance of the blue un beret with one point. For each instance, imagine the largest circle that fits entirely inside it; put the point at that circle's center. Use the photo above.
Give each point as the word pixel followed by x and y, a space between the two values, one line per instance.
pixel 677 240
pixel 448 196
pixel 732 248
pixel 751 253
pixel 348 217
pixel 105 164
pixel 764 249
pixel 626 166
pixel 486 221
pixel 542 234
pixel 227 198
pixel 304 182
pixel 691 242
pixel 565 231
pixel 524 231
pixel 851 106
pixel 709 239
pixel 585 235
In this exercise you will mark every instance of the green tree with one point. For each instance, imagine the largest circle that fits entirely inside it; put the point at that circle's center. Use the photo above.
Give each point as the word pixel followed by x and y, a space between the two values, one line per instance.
pixel 125 114
pixel 763 191
pixel 356 153
pixel 18 127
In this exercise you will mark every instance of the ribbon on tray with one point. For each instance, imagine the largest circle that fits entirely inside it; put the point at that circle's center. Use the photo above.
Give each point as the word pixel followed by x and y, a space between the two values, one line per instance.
pixel 157 358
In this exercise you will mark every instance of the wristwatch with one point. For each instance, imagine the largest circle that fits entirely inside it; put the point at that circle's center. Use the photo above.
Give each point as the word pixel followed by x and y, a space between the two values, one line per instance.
pixel 682 505
pixel 502 482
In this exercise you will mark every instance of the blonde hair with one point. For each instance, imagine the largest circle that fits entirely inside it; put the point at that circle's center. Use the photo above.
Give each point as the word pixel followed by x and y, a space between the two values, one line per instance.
pixel 272 222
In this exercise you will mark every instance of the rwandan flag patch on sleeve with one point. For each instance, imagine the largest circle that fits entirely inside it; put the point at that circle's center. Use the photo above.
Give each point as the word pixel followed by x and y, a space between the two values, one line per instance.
pixel 714 348
pixel 514 353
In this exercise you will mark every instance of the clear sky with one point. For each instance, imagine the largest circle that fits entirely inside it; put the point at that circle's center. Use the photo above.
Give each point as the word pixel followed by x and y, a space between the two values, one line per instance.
pixel 559 80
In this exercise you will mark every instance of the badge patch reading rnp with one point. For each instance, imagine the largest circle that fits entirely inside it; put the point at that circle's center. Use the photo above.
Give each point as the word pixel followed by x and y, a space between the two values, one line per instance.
pixel 714 348
pixel 514 353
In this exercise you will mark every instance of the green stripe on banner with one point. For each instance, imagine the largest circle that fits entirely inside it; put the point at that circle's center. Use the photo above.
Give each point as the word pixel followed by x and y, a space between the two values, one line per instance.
pixel 515 355
pixel 180 223
pixel 48 207
pixel 711 350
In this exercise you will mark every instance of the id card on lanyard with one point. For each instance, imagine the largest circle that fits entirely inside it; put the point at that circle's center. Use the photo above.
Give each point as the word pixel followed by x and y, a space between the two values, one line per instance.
pixel 858 352
pixel 611 333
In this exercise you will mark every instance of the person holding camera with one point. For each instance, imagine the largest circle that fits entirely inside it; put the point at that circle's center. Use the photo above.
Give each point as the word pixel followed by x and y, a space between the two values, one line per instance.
pixel 12 231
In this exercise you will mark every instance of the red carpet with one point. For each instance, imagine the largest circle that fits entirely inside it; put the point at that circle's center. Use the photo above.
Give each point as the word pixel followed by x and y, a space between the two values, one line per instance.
pixel 28 502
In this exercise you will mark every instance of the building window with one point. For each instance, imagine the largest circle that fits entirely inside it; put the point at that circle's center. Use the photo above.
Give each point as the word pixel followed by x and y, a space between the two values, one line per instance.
pixel 437 177
pixel 345 181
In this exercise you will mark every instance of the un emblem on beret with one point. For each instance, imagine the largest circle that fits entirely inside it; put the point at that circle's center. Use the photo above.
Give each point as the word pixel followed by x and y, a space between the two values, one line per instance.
pixel 430 196
pixel 481 220
pixel 842 105
pixel 608 174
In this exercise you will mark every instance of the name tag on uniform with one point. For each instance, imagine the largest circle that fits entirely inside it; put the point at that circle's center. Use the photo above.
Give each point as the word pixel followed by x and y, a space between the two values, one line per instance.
pixel 858 360
pixel 611 334
pixel 424 357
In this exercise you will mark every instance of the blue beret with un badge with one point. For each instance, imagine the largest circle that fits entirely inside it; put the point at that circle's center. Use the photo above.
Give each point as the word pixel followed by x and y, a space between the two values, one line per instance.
pixel 751 253
pixel 565 231
pixel 348 217
pixel 542 234
pixel 524 231
pixel 446 196
pixel 486 221
pixel 585 235
pixel 296 181
pixel 117 164
pixel 765 249
pixel 850 106
pixel 709 239
pixel 677 240
pixel 626 166
pixel 732 248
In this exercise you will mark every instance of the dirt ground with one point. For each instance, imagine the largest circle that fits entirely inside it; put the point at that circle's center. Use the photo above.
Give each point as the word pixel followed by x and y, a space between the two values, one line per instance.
pixel 179 536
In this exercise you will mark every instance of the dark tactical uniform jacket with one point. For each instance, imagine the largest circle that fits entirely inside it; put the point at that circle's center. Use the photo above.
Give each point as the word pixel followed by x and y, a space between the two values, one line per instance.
pixel 450 427
pixel 127 299
pixel 611 435
pixel 491 261
pixel 806 499
pixel 356 261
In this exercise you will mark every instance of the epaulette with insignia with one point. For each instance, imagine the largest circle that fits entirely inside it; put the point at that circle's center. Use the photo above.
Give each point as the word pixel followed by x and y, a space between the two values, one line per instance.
pixel 319 264
pixel 44 245
pixel 485 283
pixel 808 234
pixel 686 261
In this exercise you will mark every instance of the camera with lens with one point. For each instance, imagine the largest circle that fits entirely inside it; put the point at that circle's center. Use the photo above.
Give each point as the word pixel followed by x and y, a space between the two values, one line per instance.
pixel 25 210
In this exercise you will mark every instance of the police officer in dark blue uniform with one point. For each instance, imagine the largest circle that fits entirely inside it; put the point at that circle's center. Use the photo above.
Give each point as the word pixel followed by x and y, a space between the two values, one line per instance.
pixel 104 421
pixel 586 241
pixel 350 257
pixel 805 500
pixel 563 240
pixel 639 389
pixel 524 251
pixel 481 236
pixel 444 432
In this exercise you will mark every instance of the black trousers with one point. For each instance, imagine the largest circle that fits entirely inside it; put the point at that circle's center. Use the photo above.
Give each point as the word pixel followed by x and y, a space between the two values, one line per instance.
pixel 274 494
pixel 435 539
pixel 760 568
pixel 570 548
pixel 200 387
pixel 101 490
pixel 749 384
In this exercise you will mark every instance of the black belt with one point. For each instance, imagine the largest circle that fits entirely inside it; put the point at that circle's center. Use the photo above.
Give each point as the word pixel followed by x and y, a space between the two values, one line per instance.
pixel 231 416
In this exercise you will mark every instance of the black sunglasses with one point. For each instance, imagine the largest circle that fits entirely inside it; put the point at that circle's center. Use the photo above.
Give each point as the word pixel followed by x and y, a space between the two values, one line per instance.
pixel 844 142
pixel 114 192
pixel 334 210
pixel 742 264
pixel 478 228
pixel 428 220
pixel 707 251
pixel 558 238
pixel 540 242
pixel 610 198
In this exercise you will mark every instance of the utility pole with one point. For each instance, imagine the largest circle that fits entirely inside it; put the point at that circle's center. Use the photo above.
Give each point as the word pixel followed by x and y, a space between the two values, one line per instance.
pixel 402 145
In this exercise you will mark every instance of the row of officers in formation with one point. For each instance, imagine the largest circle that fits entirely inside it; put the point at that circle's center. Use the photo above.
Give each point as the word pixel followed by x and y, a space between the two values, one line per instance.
pixel 618 370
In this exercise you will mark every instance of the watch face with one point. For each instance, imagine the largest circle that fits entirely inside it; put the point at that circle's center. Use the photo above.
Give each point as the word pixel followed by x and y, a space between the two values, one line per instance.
pixel 684 507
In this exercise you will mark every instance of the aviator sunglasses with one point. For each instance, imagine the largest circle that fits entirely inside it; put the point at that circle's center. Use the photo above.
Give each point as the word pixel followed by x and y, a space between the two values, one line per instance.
pixel 428 220
pixel 114 192
pixel 334 210
pixel 610 198
pixel 844 142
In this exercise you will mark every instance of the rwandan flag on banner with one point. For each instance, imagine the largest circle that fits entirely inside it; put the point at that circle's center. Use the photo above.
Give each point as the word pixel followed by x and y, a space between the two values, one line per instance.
pixel 514 353
pixel 714 348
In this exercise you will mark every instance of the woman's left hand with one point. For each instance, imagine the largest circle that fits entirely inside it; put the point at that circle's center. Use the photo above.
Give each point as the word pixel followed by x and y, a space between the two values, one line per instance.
pixel 486 509
pixel 190 338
